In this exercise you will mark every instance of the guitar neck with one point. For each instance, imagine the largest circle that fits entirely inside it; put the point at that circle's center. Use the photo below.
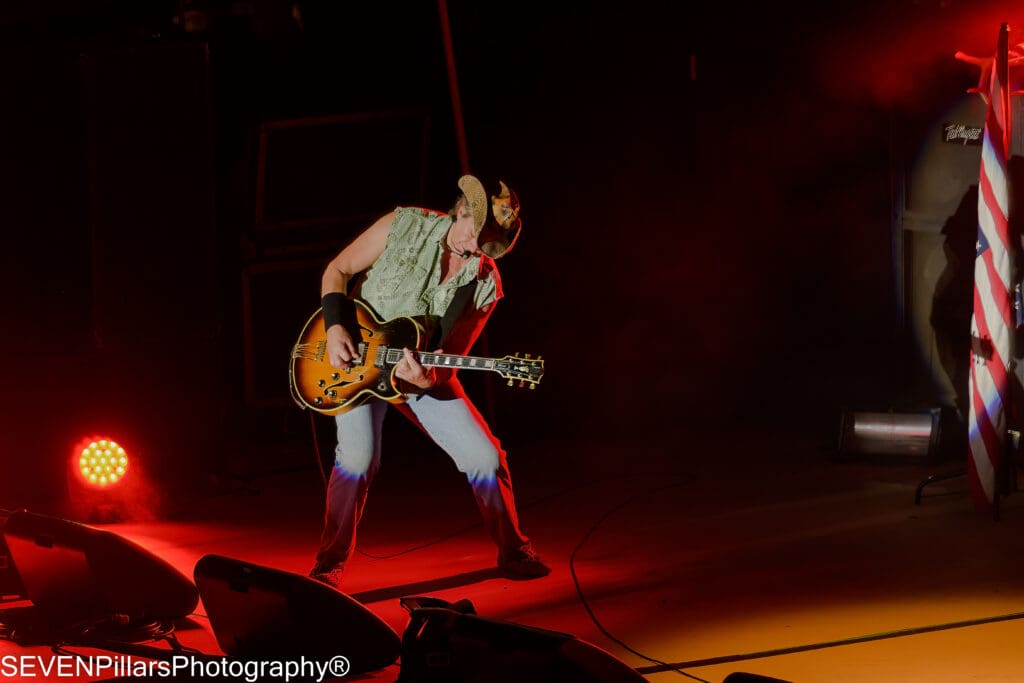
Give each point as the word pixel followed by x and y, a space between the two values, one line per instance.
pixel 446 360
pixel 510 367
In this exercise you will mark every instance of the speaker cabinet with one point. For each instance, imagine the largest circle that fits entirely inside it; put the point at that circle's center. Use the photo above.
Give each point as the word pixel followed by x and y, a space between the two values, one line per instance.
pixel 156 256
pixel 154 239
pixel 936 209
pixel 261 613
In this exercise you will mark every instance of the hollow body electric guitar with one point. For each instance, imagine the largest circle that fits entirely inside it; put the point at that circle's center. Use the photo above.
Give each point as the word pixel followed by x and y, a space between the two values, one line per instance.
pixel 319 386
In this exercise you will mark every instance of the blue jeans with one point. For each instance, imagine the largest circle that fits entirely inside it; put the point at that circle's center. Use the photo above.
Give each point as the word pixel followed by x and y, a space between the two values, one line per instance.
pixel 448 416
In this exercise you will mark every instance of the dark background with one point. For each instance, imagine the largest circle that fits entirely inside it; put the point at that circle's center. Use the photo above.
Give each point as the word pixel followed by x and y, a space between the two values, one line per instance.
pixel 707 191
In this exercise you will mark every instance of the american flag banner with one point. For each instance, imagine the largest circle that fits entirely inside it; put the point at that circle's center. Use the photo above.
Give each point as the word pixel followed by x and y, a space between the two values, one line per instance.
pixel 992 321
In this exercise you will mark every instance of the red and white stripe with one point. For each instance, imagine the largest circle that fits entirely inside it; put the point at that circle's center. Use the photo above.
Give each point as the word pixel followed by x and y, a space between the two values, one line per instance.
pixel 992 319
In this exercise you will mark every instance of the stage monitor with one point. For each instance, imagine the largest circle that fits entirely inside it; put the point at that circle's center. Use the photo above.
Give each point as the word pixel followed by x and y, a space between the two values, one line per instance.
pixel 74 573
pixel 448 643
pixel 260 613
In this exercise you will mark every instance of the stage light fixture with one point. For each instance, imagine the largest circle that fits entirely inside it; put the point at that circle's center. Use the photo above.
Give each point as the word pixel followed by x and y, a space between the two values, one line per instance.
pixel 904 435
pixel 101 479
pixel 102 462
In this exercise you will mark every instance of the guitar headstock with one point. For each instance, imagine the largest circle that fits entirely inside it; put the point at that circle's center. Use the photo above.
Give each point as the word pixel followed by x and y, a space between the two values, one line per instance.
pixel 526 370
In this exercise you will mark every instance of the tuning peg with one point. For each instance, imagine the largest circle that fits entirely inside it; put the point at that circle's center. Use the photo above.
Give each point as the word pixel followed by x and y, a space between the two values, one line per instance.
pixel 539 357
pixel 533 386
pixel 522 384
pixel 526 356
pixel 510 382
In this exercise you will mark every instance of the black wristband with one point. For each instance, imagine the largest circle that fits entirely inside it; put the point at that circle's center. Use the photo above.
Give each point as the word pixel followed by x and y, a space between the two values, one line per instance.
pixel 338 310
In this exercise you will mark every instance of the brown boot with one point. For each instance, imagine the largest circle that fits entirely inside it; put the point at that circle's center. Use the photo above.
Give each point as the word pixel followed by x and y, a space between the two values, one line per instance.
pixel 523 563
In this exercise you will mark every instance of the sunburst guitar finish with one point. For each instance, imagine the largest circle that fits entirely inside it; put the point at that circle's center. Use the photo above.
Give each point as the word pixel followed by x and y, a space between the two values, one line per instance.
pixel 319 386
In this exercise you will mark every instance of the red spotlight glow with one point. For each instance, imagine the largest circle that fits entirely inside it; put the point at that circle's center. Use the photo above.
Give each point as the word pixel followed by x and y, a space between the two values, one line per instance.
pixel 101 462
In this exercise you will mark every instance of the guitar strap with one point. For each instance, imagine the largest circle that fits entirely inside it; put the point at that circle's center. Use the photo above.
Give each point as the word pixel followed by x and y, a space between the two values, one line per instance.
pixel 462 295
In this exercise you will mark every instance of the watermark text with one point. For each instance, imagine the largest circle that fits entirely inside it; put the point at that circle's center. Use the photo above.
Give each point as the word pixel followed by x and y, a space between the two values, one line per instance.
pixel 26 667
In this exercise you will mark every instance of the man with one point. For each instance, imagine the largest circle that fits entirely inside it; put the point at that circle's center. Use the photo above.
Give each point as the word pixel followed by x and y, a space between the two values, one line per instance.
pixel 414 262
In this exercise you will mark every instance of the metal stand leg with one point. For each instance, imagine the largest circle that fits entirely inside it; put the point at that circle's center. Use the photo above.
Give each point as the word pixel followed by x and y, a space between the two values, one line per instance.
pixel 934 478
pixel 1006 477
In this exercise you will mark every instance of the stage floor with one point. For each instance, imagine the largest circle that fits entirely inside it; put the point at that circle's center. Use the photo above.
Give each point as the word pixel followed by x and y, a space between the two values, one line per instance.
pixel 716 553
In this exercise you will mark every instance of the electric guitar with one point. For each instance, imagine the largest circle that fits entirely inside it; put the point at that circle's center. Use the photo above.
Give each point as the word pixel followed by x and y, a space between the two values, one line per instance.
pixel 319 386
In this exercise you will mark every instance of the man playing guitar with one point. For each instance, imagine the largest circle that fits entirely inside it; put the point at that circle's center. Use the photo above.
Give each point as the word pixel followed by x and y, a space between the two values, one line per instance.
pixel 439 269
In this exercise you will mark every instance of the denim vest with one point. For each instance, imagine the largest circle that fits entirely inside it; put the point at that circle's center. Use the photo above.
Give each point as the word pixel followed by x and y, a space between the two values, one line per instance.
pixel 405 278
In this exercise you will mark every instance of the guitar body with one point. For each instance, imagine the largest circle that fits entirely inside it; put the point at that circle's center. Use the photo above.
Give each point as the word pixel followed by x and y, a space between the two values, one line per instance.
pixel 319 386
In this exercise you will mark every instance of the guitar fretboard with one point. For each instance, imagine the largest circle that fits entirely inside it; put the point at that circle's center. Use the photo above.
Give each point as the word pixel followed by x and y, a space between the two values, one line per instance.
pixel 443 360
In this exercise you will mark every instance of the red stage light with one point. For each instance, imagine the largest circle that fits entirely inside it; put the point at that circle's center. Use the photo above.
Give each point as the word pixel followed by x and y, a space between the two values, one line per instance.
pixel 101 462
pixel 107 481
